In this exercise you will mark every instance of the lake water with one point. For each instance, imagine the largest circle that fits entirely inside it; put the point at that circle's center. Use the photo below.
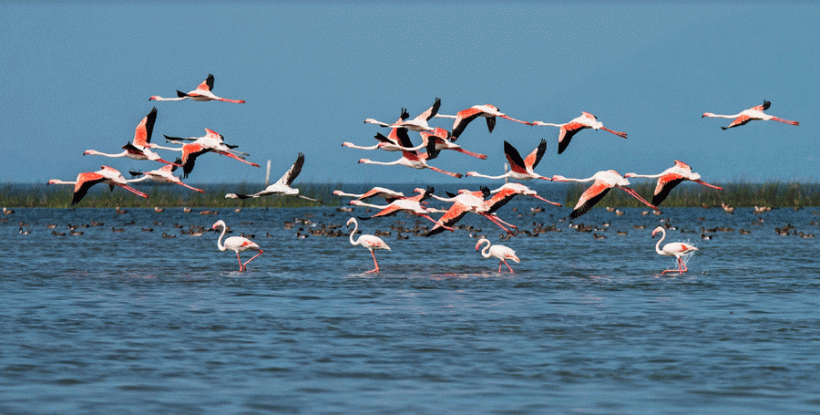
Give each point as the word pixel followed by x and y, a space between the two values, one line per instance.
pixel 131 322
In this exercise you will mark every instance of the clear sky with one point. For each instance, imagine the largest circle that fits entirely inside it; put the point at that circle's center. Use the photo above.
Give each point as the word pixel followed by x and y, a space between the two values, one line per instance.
pixel 77 76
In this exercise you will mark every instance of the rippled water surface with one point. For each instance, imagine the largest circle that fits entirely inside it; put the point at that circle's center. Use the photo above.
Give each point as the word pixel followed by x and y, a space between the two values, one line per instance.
pixel 131 322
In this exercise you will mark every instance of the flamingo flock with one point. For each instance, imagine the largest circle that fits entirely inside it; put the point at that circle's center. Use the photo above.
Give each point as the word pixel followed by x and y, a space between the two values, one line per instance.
pixel 433 139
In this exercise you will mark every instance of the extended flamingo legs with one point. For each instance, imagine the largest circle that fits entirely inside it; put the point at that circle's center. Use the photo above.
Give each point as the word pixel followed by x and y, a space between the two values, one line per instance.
pixel 225 153
pixel 244 267
pixel 619 134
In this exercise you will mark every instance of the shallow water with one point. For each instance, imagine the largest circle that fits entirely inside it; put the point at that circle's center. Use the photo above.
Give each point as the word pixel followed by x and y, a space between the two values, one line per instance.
pixel 131 322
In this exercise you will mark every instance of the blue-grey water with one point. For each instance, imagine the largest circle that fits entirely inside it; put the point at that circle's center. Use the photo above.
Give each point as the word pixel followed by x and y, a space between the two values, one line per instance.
pixel 133 323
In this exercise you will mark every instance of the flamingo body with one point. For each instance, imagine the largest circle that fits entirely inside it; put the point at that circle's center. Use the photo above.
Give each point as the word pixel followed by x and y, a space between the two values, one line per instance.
pixel 464 117
pixel 237 244
pixel 520 168
pixel 282 186
pixel 671 177
pixel 603 182
pixel 164 174
pixel 203 92
pixel 108 175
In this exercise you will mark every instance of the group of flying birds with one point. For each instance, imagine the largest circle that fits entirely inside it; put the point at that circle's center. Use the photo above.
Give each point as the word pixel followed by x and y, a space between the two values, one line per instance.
pixel 484 202
pixel 141 148
pixel 436 139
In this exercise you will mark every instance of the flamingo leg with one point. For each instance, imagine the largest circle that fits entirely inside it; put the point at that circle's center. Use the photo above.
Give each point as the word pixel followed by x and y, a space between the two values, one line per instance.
pixel 436 222
pixel 507 117
pixel 785 121
pixel 235 157
pixel 618 133
pixel 132 190
pixel 470 153
pixel 192 188
pixel 235 101
pixel 499 222
pixel 637 196
pixel 707 184
pixel 241 267
pixel 376 270
pixel 168 162
pixel 508 266
pixel 245 265
pixel 456 175
pixel 499 265
pixel 548 201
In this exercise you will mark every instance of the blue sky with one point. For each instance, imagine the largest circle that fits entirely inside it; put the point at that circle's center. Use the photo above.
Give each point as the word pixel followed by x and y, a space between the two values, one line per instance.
pixel 77 76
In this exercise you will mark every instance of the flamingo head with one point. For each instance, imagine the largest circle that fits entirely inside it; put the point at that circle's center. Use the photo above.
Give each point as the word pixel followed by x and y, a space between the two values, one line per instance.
pixel 231 196
pixel 707 114
pixel 218 224
pixel 347 144
pixel 364 161
pixel 628 175
pixel 349 221
pixel 559 178
pixel 153 97
pixel 658 229
pixel 472 173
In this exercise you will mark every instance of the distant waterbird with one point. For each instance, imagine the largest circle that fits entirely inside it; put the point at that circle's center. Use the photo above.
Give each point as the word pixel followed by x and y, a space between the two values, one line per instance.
pixel 203 92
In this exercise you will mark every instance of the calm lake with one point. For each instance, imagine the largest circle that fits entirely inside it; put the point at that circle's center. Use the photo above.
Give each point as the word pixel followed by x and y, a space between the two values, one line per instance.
pixel 131 322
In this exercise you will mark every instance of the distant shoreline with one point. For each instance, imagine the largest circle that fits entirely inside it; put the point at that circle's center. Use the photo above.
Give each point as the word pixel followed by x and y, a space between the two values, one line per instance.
pixel 738 194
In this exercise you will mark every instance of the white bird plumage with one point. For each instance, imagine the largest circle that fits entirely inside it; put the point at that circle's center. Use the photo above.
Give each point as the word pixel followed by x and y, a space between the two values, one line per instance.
pixel 501 252
pixel 236 244
pixel 675 249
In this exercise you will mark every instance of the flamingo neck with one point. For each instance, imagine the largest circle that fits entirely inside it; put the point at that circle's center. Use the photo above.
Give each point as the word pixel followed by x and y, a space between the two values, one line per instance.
pixel 219 241
pixel 477 174
pixel 658 245
pixel 351 145
pixel 353 232
pixel 486 251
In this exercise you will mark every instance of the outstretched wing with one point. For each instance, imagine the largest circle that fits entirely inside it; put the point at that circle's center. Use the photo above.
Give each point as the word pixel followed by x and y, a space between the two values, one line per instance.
pixel 294 171
pixel 534 158
pixel 589 198
pixel 145 128
pixel 515 160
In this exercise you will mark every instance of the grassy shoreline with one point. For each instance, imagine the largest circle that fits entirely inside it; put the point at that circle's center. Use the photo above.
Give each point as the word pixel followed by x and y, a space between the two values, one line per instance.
pixel 739 194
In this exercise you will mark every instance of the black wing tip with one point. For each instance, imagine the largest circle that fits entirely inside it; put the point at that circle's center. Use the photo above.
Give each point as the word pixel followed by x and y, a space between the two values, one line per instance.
pixel 485 190
pixel 766 104
pixel 181 94
pixel 404 114
pixel 139 173
pixel 450 194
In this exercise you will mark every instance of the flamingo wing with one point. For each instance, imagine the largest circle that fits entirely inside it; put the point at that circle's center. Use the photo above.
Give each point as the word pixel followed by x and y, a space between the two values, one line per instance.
pixel 463 118
pixel 515 160
pixel 142 135
pixel 293 172
pixel 431 112
pixel 450 218
pixel 131 149
pixel 490 123
pixel 207 84
pixel 500 199
pixel 390 210
pixel 189 154
pixel 589 198
pixel 565 134
pixel 665 185
pixel 84 182
pixel 534 158
pixel 741 120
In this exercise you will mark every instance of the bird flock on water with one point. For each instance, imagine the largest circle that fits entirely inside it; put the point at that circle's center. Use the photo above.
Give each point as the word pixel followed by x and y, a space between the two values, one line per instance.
pixel 433 140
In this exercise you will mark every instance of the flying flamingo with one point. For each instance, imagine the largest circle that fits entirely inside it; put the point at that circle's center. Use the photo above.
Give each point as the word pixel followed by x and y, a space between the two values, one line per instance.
pixel 507 192
pixel 165 174
pixel 416 124
pixel 410 204
pixel 212 141
pixel 387 194
pixel 282 186
pixel 463 203
pixel 520 169
pixel 389 143
pixel 201 93
pixel 236 244
pixel 501 252
pixel 414 159
pixel 567 130
pixel 754 113
pixel 675 249
pixel 440 139
pixel 604 181
pixel 368 241
pixel 671 177
pixel 138 149
pixel 110 176
pixel 464 117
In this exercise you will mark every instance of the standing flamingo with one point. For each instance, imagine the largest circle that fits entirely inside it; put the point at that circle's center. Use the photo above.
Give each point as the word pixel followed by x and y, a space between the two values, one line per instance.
pixel 520 169
pixel 368 241
pixel 201 93
pixel 236 244
pixel 675 249
pixel 212 141
pixel 416 124
pixel 671 177
pixel 567 130
pixel 604 181
pixel 501 252
pixel 282 186
pixel 464 117
pixel 139 148
pixel 414 159
pixel 165 174
pixel 110 176
pixel 754 113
